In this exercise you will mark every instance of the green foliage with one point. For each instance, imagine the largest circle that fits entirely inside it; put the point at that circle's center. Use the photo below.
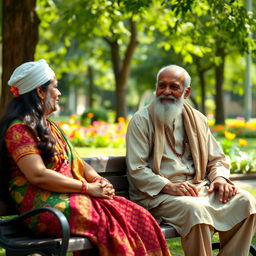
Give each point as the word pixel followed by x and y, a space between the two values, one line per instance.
pixel 229 146
pixel 93 114
pixel 240 161
pixel 185 32
pixel 243 162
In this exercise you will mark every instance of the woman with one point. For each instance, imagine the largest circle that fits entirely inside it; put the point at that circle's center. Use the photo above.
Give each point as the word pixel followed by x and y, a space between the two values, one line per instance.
pixel 44 170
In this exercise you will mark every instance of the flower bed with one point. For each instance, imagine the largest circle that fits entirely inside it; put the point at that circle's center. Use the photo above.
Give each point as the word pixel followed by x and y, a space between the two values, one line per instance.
pixel 238 126
pixel 233 138
pixel 98 134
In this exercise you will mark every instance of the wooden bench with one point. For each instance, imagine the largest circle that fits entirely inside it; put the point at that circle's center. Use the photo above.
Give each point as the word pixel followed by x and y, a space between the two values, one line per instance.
pixel 18 241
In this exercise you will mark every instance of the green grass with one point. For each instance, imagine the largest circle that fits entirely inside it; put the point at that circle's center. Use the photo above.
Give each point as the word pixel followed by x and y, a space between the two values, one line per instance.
pixel 175 245
pixel 95 152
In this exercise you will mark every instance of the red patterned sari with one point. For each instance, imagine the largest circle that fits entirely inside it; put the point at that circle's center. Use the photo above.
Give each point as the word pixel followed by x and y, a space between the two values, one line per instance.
pixel 119 227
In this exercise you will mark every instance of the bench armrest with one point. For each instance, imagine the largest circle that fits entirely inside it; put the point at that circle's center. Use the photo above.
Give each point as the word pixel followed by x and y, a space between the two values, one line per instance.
pixel 17 219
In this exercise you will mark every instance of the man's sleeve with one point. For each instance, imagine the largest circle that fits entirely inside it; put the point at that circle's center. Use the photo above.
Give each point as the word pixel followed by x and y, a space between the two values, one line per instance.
pixel 139 143
pixel 218 162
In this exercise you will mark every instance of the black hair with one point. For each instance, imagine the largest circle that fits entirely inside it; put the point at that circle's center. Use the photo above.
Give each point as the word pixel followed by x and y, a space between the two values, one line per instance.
pixel 29 109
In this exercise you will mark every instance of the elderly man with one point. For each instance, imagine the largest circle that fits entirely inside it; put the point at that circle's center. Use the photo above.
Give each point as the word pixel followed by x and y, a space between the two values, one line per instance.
pixel 178 172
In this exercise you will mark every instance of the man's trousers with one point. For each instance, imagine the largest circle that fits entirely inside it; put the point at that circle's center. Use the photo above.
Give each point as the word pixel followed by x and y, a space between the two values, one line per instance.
pixel 234 242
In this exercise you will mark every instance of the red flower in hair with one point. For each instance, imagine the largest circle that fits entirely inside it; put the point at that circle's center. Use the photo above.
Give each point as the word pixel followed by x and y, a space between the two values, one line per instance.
pixel 15 91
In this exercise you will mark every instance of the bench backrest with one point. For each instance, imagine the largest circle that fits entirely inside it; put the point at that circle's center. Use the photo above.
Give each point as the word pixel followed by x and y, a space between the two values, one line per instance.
pixel 113 168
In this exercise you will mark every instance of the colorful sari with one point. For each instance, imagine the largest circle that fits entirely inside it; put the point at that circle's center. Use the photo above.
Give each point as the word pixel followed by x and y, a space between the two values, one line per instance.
pixel 119 227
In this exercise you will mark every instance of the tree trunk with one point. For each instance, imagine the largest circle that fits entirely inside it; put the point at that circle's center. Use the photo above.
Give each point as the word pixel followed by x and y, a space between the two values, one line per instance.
pixel 201 70
pixel 20 36
pixel 90 88
pixel 203 93
pixel 219 81
pixel 122 69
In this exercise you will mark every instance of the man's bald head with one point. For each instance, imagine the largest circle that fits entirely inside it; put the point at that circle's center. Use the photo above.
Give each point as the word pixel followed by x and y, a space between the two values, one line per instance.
pixel 177 69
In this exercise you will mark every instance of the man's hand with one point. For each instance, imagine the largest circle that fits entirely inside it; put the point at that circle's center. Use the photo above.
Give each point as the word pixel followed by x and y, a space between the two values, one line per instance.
pixel 180 189
pixel 226 190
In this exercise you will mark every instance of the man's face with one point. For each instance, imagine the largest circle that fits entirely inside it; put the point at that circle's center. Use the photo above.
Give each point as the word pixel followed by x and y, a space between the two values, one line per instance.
pixel 170 83
pixel 170 95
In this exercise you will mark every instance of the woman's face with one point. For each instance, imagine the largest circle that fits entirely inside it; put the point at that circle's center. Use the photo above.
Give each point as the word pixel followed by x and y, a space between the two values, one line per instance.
pixel 52 97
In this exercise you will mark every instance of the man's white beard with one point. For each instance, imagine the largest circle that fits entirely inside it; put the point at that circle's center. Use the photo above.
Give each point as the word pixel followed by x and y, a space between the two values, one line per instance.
pixel 168 111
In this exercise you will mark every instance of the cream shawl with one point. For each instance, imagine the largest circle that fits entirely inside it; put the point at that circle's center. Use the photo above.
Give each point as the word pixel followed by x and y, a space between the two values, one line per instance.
pixel 194 123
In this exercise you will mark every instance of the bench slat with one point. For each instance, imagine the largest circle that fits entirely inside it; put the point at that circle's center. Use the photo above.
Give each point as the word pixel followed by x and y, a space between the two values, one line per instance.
pixel 119 182
pixel 107 164
pixel 169 231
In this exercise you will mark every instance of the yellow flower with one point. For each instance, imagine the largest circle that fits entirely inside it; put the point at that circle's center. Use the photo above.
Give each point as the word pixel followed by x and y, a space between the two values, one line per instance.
pixel 243 142
pixel 73 117
pixel 230 135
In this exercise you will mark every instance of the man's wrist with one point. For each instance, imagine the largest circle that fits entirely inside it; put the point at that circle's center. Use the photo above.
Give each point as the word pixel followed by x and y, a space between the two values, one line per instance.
pixel 219 178
pixel 166 188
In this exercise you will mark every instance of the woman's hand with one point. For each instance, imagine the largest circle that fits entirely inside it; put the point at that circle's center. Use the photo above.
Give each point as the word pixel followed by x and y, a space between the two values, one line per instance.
pixel 101 188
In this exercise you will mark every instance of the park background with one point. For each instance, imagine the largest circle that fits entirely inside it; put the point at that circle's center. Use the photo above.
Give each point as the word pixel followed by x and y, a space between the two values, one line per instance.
pixel 106 54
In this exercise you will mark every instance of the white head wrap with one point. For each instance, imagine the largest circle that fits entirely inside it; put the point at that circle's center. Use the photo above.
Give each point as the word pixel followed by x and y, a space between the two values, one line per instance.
pixel 31 75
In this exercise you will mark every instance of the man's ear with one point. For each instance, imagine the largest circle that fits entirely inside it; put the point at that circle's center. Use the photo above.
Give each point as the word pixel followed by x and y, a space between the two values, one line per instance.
pixel 187 93
pixel 40 93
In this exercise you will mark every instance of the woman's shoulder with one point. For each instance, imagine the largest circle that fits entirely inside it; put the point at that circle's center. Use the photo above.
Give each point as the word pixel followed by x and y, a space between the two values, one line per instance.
pixel 17 126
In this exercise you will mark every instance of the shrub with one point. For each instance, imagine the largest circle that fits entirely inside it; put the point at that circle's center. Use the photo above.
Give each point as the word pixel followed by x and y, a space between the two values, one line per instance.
pixel 243 162
pixel 240 161
pixel 91 115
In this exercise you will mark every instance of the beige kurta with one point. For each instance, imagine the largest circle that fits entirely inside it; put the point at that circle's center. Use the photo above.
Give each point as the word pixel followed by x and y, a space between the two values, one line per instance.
pixel 182 212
